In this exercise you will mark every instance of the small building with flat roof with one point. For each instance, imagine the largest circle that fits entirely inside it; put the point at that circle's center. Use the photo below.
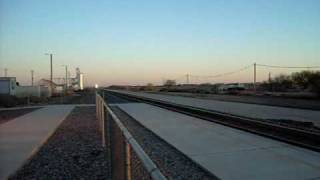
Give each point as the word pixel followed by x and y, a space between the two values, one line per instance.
pixel 8 86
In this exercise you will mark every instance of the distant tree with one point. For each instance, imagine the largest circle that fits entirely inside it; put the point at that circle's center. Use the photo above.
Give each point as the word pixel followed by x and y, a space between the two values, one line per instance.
pixel 304 79
pixel 149 87
pixel 281 82
pixel 266 85
pixel 307 79
pixel 169 83
pixel 315 82
pixel 205 84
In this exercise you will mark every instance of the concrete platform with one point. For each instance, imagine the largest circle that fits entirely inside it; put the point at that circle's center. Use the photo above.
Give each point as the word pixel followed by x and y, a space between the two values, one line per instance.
pixel 21 137
pixel 226 152
pixel 28 107
pixel 239 109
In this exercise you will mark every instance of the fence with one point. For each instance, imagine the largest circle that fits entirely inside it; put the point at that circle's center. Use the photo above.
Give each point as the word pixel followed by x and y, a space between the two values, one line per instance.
pixel 127 159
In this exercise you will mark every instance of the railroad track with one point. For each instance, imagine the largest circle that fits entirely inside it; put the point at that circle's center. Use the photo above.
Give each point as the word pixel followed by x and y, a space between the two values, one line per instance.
pixel 302 138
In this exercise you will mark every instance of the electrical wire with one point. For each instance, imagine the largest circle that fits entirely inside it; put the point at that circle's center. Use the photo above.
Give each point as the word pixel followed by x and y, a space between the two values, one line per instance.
pixel 198 78
pixel 224 74
pixel 288 67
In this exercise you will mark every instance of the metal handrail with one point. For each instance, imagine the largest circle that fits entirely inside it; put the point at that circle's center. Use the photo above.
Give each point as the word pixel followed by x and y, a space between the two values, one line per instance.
pixel 146 161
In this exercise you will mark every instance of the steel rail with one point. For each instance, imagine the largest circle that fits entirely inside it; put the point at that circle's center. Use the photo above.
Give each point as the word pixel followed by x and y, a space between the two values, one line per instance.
pixel 298 137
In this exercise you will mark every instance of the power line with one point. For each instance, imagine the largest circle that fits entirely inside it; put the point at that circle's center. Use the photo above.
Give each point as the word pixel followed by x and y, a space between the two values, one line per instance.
pixel 225 74
pixel 296 67
pixel 197 77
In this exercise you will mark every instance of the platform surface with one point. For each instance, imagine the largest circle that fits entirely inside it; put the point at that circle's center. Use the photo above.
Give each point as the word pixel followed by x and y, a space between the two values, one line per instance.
pixel 240 109
pixel 227 152
pixel 21 137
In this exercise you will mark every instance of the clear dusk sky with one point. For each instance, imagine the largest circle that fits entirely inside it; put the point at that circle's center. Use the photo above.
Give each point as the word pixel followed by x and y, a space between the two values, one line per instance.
pixel 141 41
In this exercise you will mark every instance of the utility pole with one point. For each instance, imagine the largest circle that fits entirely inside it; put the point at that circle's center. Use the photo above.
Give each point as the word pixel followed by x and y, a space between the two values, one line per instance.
pixel 5 72
pixel 69 80
pixel 269 77
pixel 51 72
pixel 254 77
pixel 66 80
pixel 32 71
pixel 188 78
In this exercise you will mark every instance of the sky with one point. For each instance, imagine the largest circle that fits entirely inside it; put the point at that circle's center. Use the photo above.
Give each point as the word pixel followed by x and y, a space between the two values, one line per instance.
pixel 140 41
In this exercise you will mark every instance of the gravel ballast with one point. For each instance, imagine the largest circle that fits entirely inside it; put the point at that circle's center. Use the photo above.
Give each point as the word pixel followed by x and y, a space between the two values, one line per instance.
pixel 74 151
pixel 299 103
pixel 171 162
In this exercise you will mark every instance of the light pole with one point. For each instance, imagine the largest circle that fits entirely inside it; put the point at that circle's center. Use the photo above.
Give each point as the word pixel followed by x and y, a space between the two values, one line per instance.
pixel 51 74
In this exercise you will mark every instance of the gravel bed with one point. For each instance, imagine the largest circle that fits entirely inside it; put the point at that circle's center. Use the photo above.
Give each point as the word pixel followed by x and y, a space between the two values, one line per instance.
pixel 74 151
pixel 302 125
pixel 77 98
pixel 111 99
pixel 7 115
pixel 306 126
pixel 312 104
pixel 172 163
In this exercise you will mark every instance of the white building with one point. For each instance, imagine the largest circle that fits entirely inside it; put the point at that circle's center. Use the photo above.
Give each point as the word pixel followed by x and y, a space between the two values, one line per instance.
pixel 32 91
pixel 77 82
pixel 8 86
pixel 53 88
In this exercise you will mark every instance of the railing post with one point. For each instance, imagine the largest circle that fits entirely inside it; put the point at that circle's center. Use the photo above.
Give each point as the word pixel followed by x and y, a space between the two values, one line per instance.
pixel 96 105
pixel 100 107
pixel 107 135
pixel 103 126
pixel 128 161
pixel 100 110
